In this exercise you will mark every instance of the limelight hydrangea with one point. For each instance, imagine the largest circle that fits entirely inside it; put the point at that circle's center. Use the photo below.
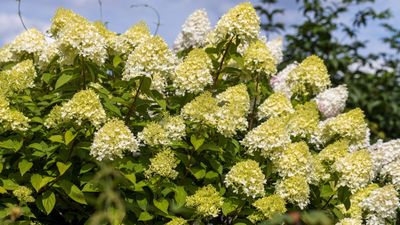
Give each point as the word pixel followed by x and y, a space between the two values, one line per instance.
pixel 206 201
pixel 194 31
pixel 201 110
pixel 304 121
pixel 150 58
pixel 268 136
pixel 31 41
pixel 76 36
pixel 110 36
pixel 258 58
pixel 270 206
pixel 23 194
pixel 234 106
pixel 193 74
pixel 276 104
pixel 61 18
pixel 309 78
pixel 392 171
pixel 355 169
pixel 177 221
pixel 355 210
pixel 331 102
pixel 295 160
pixel 166 131
pixel 163 164
pixel 350 221
pixel 241 20
pixel 350 125
pixel 372 219
pixel 275 46
pixel 48 54
pixel 246 177
pixel 383 153
pixel 54 117
pixel 133 37
pixel 12 119
pixel 84 105
pixel 20 77
pixel 383 202
pixel 319 172
pixel 334 151
pixel 279 81
pixel 6 55
pixel 294 190
pixel 112 140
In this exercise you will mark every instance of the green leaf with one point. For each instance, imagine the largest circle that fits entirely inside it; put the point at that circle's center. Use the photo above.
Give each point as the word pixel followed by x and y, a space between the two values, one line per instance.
pixel 11 144
pixel 161 204
pixel 146 84
pixel 46 77
pixel 230 205
pixel 344 196
pixel 131 177
pixel 1 167
pixel 180 196
pixel 198 173
pixel 48 201
pixel 196 142
pixel 116 61
pixel 24 166
pixel 69 136
pixel 63 167
pixel 142 203
pixel 2 190
pixel 73 191
pixel 145 216
pixel 38 182
pixel 56 138
pixel 63 79
pixel 211 175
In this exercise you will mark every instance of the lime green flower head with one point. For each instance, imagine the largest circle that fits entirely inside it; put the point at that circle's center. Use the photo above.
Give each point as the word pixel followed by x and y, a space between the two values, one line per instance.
pixel 275 105
pixel 270 206
pixel 206 200
pixel 163 164
pixel 310 77
pixel 258 58
pixel 246 177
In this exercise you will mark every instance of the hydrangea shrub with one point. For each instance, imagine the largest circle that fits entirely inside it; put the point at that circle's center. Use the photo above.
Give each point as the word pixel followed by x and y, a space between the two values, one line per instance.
pixel 104 128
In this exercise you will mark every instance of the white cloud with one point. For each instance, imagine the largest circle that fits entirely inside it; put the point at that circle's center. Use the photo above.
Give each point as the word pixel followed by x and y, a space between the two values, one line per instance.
pixel 10 26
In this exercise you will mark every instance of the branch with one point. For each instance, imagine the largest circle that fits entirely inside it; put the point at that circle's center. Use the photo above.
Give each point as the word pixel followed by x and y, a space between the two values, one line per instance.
pixel 215 79
pixel 133 105
pixel 20 14
pixel 101 10
pixel 154 10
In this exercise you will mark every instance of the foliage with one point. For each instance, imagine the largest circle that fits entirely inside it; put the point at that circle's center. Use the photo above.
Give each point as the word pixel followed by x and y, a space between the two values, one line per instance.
pixel 101 128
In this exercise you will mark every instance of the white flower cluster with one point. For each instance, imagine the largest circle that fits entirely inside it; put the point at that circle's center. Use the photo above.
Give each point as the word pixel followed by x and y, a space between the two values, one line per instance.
pixel 386 158
pixel 20 77
pixel 278 82
pixel 76 36
pixel 11 119
pixel 277 104
pixel 84 105
pixel 111 140
pixel 246 177
pixel 163 164
pixel 382 203
pixel 125 43
pixel 193 74
pixel 331 102
pixel 355 169
pixel 226 112
pixel 295 190
pixel 163 133
pixel 194 31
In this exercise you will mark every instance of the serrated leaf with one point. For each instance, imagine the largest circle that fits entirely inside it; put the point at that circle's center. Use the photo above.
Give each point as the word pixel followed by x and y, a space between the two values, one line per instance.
pixel 63 79
pixel 161 204
pixel 73 191
pixel 48 201
pixel 63 167
pixel 14 145
pixel 145 216
pixel 24 166
pixel 69 136
pixel 196 142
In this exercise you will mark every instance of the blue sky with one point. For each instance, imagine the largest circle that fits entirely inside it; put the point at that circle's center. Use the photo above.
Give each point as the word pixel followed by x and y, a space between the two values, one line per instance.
pixel 37 13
